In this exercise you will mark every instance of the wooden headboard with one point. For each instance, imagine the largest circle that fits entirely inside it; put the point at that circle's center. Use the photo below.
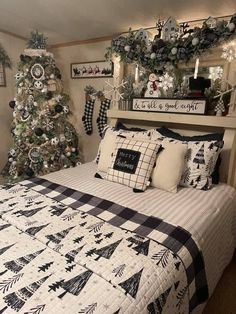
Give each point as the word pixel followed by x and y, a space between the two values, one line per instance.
pixel 189 124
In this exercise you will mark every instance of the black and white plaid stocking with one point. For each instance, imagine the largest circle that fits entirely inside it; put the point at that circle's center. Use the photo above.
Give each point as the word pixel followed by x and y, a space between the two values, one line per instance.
pixel 102 118
pixel 88 115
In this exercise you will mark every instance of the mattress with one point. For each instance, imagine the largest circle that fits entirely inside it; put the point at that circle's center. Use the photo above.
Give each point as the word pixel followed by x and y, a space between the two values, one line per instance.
pixel 160 253
pixel 210 216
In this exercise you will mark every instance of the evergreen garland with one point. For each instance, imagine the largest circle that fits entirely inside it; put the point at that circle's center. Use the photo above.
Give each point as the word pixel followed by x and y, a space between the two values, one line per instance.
pixel 160 54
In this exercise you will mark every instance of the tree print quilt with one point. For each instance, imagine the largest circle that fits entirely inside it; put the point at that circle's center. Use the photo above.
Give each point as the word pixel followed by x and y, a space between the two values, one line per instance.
pixel 64 251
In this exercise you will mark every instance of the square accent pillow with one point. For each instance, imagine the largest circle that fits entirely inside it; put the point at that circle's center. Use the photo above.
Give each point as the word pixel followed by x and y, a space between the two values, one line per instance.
pixel 200 161
pixel 132 162
pixel 108 144
pixel 169 167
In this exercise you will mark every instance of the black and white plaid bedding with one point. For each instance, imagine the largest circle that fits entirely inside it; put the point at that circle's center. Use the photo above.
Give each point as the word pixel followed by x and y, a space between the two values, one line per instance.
pixel 64 251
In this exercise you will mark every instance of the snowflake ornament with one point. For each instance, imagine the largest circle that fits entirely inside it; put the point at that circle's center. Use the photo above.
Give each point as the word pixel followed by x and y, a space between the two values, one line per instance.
pixel 215 73
pixel 114 89
pixel 48 125
pixel 229 53
pixel 166 81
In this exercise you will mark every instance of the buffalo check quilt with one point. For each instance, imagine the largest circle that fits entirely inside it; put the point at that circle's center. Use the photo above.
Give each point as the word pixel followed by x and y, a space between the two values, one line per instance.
pixel 64 251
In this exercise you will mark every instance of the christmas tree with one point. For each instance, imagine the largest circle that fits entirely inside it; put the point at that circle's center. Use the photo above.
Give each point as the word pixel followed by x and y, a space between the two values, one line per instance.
pixel 76 284
pixel 16 300
pixel 131 285
pixel 17 264
pixel 159 303
pixel 43 139
pixel 199 158
pixel 107 251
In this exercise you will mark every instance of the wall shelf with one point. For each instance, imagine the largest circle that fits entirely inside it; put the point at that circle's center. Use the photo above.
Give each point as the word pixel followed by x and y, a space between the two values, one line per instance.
pixel 228 122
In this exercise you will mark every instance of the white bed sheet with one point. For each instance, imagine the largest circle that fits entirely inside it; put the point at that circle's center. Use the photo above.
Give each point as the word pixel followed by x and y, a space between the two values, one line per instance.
pixel 210 216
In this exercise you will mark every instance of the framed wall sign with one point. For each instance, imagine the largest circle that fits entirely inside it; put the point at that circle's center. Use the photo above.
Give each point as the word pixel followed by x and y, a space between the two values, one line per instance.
pixel 170 105
pixel 2 76
pixel 92 69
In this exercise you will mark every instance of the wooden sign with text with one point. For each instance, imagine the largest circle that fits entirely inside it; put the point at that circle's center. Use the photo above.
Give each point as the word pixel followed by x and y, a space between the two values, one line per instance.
pixel 170 105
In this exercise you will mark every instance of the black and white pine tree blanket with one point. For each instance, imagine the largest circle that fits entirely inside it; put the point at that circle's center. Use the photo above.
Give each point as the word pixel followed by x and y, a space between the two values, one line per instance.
pixel 64 251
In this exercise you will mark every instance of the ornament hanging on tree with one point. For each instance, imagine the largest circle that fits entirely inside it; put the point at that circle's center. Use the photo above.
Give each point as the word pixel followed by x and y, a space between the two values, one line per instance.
pixel 38 85
pixel 37 71
pixel 34 154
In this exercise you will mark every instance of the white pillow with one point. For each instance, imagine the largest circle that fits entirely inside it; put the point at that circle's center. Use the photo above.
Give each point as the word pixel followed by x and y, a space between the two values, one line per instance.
pixel 169 167
pixel 132 162
pixel 108 144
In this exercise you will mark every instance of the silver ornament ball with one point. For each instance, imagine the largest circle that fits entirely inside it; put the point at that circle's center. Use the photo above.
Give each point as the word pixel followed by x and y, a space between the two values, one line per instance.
pixel 231 26
pixel 127 48
pixel 195 41
pixel 174 51
pixel 153 55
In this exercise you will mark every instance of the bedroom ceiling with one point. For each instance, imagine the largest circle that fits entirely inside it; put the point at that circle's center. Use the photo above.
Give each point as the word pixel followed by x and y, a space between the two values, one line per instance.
pixel 72 20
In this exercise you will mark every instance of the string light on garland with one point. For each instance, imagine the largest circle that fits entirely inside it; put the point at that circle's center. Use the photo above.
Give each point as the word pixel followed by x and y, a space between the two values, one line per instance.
pixel 229 53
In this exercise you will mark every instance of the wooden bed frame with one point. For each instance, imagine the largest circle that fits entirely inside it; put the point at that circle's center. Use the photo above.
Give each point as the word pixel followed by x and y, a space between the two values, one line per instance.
pixel 189 124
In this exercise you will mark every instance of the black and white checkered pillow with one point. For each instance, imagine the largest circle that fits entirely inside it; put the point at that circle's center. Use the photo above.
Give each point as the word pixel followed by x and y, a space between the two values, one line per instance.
pixel 132 162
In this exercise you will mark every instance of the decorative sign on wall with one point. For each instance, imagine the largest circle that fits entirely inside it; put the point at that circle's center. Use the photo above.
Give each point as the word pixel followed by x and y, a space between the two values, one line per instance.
pixel 170 105
pixel 91 69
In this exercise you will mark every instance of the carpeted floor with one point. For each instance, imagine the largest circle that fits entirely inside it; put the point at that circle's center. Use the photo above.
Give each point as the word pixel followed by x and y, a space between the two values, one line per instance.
pixel 223 300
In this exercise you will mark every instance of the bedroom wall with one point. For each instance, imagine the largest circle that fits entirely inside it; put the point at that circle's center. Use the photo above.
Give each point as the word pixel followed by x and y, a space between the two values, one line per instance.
pixel 64 56
pixel 14 48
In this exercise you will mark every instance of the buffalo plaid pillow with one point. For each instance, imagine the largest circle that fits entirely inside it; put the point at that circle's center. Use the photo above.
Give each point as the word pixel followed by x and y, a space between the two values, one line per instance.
pixel 132 162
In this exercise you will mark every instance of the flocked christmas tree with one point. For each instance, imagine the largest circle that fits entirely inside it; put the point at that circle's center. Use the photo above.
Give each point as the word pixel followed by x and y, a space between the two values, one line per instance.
pixel 43 138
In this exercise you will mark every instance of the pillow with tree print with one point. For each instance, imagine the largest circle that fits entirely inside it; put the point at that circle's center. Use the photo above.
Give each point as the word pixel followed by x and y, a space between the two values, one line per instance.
pixel 200 161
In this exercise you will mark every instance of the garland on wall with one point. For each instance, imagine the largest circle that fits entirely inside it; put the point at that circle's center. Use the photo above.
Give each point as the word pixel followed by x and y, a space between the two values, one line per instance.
pixel 173 44
pixel 4 58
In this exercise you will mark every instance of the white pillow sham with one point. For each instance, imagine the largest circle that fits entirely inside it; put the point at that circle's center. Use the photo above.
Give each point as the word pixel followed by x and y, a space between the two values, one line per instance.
pixel 169 167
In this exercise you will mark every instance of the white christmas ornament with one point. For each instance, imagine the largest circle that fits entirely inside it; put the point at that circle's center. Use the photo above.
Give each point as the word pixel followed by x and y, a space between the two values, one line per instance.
pixel 65 109
pixel 166 81
pixel 52 76
pixel 174 50
pixel 12 152
pixel 152 87
pixel 231 27
pixel 195 41
pixel 229 53
pixel 38 85
pixel 73 149
pixel 68 154
pixel 54 141
pixel 153 56
pixel 127 48
pixel 37 71
pixel 215 73
pixel 62 138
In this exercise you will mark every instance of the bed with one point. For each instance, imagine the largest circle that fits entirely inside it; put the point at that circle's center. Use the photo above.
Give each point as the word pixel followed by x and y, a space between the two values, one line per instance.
pixel 72 243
